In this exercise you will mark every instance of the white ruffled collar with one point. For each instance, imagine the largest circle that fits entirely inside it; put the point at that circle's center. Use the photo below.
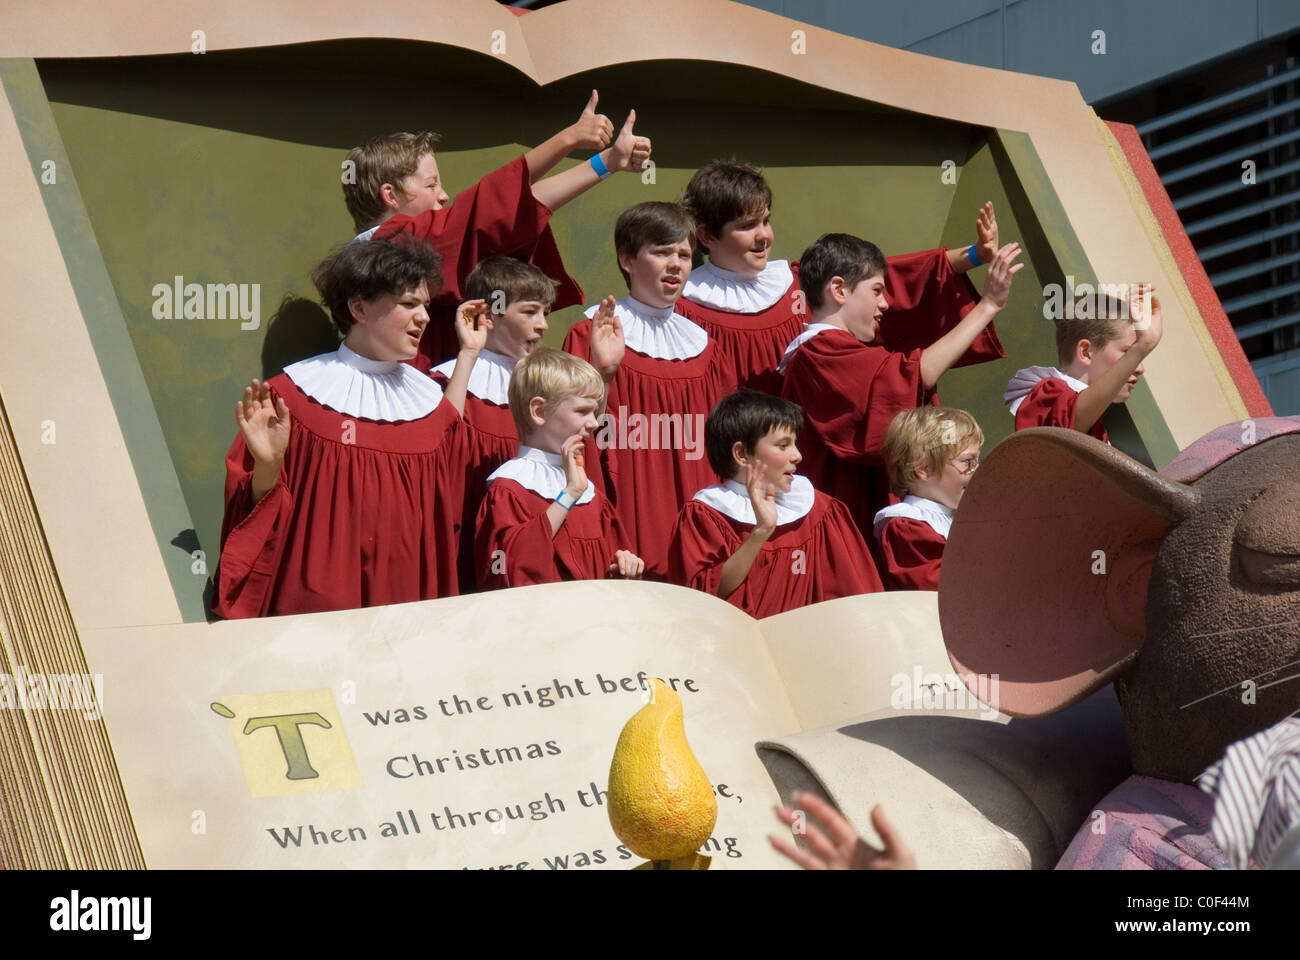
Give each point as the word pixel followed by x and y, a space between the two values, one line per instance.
pixel 374 389
pixel 927 511
pixel 538 471
pixel 1025 380
pixel 734 292
pixel 732 498
pixel 657 332
pixel 489 378
pixel 810 330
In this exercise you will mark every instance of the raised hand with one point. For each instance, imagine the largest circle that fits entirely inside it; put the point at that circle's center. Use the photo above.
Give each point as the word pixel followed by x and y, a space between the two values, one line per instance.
pixel 1148 321
pixel 473 321
pixel 986 227
pixel 629 151
pixel 607 344
pixel 592 131
pixel 626 565
pixel 264 425
pixel 575 472
pixel 997 285
pixel 839 847
pixel 763 496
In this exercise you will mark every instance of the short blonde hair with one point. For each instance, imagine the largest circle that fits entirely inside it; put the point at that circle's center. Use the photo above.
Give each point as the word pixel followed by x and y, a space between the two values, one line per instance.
pixel 934 435
pixel 552 375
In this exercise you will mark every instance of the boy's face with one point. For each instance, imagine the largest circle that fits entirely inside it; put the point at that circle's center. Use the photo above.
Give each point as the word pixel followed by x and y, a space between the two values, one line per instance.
pixel 423 189
pixel 743 244
pixel 572 416
pixel 657 273
pixel 1107 356
pixel 777 451
pixel 948 485
pixel 516 332
pixel 389 327
pixel 862 307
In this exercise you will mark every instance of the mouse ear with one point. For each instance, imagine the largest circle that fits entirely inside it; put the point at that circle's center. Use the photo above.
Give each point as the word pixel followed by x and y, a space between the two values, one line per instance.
pixel 1045 572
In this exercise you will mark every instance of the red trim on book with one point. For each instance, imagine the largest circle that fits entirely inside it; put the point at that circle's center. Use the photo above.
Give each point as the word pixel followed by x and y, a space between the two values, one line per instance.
pixel 1189 265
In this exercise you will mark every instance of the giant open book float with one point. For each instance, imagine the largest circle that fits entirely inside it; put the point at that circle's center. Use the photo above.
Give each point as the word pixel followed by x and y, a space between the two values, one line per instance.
pixel 131 160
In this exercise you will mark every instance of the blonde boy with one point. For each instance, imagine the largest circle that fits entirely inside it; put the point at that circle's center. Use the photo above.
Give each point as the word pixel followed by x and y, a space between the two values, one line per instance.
pixel 931 454
pixel 542 520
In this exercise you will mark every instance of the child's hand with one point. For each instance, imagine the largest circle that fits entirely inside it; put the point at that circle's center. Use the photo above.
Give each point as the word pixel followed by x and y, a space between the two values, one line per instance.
pixel 626 565
pixel 629 151
pixel 763 496
pixel 575 472
pixel 264 426
pixel 997 285
pixel 1144 308
pixel 843 849
pixel 473 321
pixel 986 227
pixel 593 131
pixel 607 344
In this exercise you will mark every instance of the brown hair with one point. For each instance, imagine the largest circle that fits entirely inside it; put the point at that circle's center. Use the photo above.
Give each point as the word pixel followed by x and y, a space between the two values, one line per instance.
pixel 726 190
pixel 388 159
pixel 652 222
pixel 933 435
pixel 1096 317
pixel 515 279
pixel 371 268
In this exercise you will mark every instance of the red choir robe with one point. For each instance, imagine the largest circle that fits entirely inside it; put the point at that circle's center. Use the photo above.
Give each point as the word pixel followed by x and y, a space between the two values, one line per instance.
pixel 514 546
pixel 493 441
pixel 368 504
pixel 912 535
pixel 651 439
pixel 816 552
pixel 849 392
pixel 753 319
pixel 1046 397
pixel 498 216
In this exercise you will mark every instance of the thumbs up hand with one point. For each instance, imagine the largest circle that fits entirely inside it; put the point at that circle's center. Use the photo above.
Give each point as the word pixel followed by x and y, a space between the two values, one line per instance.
pixel 629 151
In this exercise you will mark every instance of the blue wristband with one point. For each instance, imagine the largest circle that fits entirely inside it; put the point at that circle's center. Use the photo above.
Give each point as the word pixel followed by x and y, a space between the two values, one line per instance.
pixel 566 500
pixel 598 165
pixel 972 256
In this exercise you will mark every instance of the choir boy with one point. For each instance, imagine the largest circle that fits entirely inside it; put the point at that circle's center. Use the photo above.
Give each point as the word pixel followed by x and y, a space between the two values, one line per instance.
pixel 664 375
pixel 394 186
pixel 542 520
pixel 1101 343
pixel 764 540
pixel 850 388
pixel 931 454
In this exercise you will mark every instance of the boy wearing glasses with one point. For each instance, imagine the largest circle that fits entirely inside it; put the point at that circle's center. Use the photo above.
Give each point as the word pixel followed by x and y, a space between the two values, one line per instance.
pixel 931 454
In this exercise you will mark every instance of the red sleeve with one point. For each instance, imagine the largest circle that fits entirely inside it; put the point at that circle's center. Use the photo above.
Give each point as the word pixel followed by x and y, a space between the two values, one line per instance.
pixel 927 298
pixel 252 538
pixel 577 340
pixel 1049 404
pixel 912 552
pixel 850 392
pixel 498 216
pixel 699 548
pixel 513 546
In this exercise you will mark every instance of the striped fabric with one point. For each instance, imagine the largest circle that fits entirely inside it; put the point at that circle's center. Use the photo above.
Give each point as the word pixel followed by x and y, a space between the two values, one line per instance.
pixel 1256 791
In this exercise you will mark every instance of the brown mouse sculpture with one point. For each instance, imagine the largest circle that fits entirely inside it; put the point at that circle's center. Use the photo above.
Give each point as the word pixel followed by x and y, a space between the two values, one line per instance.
pixel 1071 565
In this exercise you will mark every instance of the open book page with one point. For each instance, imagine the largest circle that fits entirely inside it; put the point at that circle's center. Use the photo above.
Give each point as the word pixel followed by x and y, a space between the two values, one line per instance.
pixel 467 732
pixel 855 655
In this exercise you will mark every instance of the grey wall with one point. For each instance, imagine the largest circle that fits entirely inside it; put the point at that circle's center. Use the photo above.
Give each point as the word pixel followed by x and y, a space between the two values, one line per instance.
pixel 1145 40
